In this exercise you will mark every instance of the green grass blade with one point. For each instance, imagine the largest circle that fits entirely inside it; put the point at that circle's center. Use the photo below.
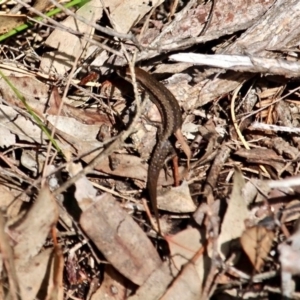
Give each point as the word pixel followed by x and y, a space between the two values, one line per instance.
pixel 48 14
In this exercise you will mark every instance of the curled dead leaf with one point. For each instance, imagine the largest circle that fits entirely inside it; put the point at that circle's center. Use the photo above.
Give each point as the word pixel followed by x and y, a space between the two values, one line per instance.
pixel 256 242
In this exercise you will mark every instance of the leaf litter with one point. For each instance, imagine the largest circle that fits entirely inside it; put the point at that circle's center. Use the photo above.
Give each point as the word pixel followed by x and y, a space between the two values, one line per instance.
pixel 75 223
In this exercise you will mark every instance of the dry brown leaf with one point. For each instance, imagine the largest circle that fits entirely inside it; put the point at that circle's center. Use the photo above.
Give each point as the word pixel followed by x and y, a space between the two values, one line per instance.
pixel 127 165
pixel 184 248
pixel 123 243
pixel 7 264
pixel 85 193
pixel 177 199
pixel 35 276
pixel 68 46
pixel 86 116
pixel 128 12
pixel 41 5
pixel 187 285
pixel 35 91
pixel 72 127
pixel 157 283
pixel 9 22
pixel 256 242
pixel 56 289
pixel 8 199
pixel 184 245
pixel 233 223
pixel 30 233
pixel 21 126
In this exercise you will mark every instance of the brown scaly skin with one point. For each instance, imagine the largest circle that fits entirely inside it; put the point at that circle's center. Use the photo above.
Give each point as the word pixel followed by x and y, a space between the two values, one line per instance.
pixel 171 124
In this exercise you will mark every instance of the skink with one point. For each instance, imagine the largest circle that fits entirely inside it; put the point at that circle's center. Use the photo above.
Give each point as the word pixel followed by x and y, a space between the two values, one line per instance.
pixel 171 124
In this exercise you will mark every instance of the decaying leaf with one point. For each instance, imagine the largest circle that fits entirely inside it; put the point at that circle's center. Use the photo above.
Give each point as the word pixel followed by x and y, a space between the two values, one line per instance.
pixel 120 239
pixel 69 125
pixel 21 126
pixel 177 199
pixel 8 22
pixel 233 223
pixel 187 285
pixel 184 248
pixel 7 264
pixel 157 283
pixel 85 193
pixel 34 90
pixel 36 275
pixel 127 13
pixel 182 276
pixel 61 60
pixel 30 233
pixel 55 289
pixel 256 242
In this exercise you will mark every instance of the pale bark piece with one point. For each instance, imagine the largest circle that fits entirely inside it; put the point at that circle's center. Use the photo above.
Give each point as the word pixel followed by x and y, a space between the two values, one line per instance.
pixel 85 193
pixel 276 30
pixel 120 239
pixel 128 12
pixel 70 126
pixel 239 63
pixel 25 129
pixel 68 46
pixel 177 199
pixel 29 234
pixel 7 139
pixel 233 223
pixel 227 18
pixel 255 190
pixel 32 161
pixel 6 196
